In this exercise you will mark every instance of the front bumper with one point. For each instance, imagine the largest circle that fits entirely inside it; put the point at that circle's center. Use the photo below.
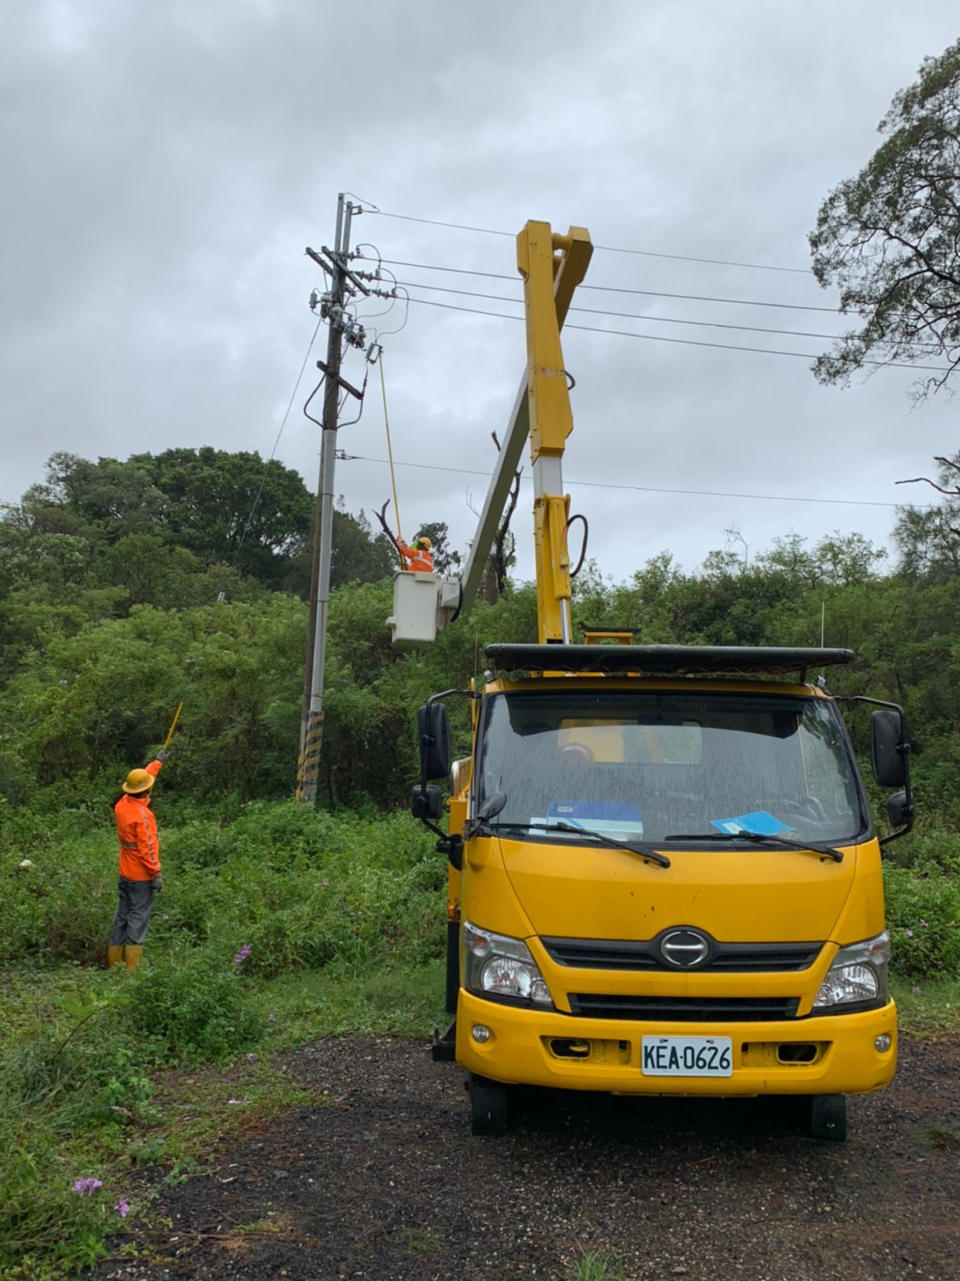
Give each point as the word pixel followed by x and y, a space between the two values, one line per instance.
pixel 824 1054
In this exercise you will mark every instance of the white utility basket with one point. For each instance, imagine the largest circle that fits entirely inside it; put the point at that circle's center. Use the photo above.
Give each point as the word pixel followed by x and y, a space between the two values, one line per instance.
pixel 415 600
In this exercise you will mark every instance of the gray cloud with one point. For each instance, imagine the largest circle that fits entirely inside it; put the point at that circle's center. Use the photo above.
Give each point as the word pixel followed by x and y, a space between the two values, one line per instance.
pixel 169 164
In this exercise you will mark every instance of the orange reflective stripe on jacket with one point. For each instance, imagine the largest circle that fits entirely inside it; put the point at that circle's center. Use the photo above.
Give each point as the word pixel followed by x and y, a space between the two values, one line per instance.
pixel 137 834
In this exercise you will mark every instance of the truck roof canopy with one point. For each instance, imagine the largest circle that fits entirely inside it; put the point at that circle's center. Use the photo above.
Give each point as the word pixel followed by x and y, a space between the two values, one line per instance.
pixel 666 660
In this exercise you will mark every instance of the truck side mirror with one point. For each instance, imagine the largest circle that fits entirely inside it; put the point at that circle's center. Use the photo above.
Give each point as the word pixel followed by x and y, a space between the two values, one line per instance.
pixel 426 802
pixel 899 809
pixel 887 748
pixel 434 731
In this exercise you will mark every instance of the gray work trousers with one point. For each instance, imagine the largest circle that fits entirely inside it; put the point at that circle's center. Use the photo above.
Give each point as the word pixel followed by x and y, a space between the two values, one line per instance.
pixel 134 904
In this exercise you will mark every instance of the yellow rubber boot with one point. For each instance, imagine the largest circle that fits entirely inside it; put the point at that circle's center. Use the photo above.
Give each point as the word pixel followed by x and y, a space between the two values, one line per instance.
pixel 134 955
pixel 114 955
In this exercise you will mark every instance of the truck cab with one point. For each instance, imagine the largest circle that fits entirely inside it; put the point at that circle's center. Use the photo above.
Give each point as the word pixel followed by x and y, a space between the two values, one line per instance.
pixel 665 879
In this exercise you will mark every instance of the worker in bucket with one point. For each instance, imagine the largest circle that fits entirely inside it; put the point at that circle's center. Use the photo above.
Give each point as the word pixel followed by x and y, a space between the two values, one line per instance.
pixel 418 557
pixel 139 866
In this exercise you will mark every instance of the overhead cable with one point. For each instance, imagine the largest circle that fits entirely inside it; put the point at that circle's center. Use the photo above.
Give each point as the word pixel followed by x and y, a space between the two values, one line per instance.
pixel 626 315
pixel 618 289
pixel 683 342
pixel 613 249
pixel 648 489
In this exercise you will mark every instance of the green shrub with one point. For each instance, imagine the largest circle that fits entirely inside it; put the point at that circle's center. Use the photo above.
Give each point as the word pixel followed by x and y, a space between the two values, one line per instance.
pixel 193 1004
pixel 57 888
pixel 923 916
pixel 930 844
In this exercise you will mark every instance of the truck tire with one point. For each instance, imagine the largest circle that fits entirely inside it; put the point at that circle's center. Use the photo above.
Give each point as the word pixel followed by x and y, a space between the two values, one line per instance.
pixel 828 1117
pixel 489 1106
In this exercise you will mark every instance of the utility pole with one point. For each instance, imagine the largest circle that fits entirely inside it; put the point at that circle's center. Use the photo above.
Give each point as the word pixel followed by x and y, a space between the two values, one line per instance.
pixel 343 285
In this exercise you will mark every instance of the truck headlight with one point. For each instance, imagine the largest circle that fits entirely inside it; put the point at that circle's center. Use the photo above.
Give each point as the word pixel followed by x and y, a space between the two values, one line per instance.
pixel 495 965
pixel 858 975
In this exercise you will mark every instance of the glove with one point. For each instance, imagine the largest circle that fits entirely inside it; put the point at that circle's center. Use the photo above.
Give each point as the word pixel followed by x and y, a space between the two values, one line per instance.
pixel 163 754
pixel 157 883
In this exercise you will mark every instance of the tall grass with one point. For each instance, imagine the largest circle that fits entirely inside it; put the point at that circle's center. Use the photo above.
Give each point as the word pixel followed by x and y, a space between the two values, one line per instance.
pixel 254 912
pixel 276 924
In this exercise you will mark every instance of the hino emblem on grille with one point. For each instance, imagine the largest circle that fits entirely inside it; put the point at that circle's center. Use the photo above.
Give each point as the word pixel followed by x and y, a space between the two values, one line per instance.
pixel 685 949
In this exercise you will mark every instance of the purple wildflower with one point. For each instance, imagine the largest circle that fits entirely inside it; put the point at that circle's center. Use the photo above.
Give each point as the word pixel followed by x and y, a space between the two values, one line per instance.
pixel 271 1017
pixel 122 1208
pixel 86 1187
pixel 924 924
pixel 242 955
pixel 909 933
pixel 252 1058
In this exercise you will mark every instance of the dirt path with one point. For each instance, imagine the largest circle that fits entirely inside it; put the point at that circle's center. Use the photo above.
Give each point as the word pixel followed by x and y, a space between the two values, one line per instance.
pixel 385 1182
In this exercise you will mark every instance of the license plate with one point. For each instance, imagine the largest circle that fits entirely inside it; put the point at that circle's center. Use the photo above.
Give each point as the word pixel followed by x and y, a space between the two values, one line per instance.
pixel 686 1056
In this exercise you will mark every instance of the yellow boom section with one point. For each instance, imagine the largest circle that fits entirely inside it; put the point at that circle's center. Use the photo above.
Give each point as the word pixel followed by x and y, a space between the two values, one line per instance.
pixel 552 266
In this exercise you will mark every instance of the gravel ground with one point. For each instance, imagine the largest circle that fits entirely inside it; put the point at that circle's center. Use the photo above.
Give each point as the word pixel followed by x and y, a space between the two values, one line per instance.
pixel 383 1180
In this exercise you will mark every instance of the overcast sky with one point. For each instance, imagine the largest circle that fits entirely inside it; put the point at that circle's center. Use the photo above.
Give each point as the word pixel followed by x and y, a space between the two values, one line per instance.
pixel 166 165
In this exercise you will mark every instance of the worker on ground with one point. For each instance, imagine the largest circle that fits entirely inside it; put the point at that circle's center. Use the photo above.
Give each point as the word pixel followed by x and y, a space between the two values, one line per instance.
pixel 418 556
pixel 139 866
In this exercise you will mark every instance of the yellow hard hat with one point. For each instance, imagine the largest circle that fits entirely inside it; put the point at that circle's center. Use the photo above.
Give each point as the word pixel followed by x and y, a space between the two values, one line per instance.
pixel 138 780
pixel 424 541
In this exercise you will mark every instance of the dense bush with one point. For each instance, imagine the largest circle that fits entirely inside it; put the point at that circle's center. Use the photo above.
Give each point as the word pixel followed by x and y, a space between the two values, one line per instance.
pixel 299 888
pixel 192 1006
pixel 923 916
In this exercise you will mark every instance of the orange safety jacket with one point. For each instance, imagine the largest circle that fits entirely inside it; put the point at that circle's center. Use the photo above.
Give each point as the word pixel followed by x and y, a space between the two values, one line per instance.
pixel 137 833
pixel 416 559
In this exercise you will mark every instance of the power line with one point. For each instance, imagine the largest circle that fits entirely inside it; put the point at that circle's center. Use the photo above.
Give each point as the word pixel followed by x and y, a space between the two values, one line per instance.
pixel 647 489
pixel 626 315
pixel 614 289
pixel 683 342
pixel 613 249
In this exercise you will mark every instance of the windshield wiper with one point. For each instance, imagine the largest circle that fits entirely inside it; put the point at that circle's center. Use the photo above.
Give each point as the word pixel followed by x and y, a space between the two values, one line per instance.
pixel 642 851
pixel 761 838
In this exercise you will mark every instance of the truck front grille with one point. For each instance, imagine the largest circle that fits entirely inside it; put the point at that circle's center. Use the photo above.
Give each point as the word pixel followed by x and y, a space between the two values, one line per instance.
pixel 616 954
pixel 690 1009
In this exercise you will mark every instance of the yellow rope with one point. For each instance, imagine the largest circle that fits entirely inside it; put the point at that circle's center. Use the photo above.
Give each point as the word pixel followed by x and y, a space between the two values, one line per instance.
pixel 393 478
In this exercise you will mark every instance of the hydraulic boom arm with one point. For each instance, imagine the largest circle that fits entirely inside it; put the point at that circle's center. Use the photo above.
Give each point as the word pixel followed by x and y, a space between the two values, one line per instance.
pixel 552 267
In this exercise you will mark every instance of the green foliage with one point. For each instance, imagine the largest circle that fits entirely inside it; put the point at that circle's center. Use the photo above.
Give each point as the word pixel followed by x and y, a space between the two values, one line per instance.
pixel 47 1230
pixel 923 916
pixel 70 1077
pixel 357 555
pixel 93 704
pixel 59 907
pixel 595 1265
pixel 889 237
pixel 340 912
pixel 180 529
pixel 194 1004
pixel 234 508
pixel 928 539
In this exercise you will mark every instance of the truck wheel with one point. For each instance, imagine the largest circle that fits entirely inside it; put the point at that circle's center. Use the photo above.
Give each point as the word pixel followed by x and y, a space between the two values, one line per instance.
pixel 828 1117
pixel 488 1106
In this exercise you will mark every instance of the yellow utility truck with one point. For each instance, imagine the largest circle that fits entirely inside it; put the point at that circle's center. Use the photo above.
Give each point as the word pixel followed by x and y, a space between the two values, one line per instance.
pixel 664 877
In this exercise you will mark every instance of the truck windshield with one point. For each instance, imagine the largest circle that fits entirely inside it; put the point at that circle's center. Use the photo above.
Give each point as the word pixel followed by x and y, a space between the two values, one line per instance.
pixel 646 765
